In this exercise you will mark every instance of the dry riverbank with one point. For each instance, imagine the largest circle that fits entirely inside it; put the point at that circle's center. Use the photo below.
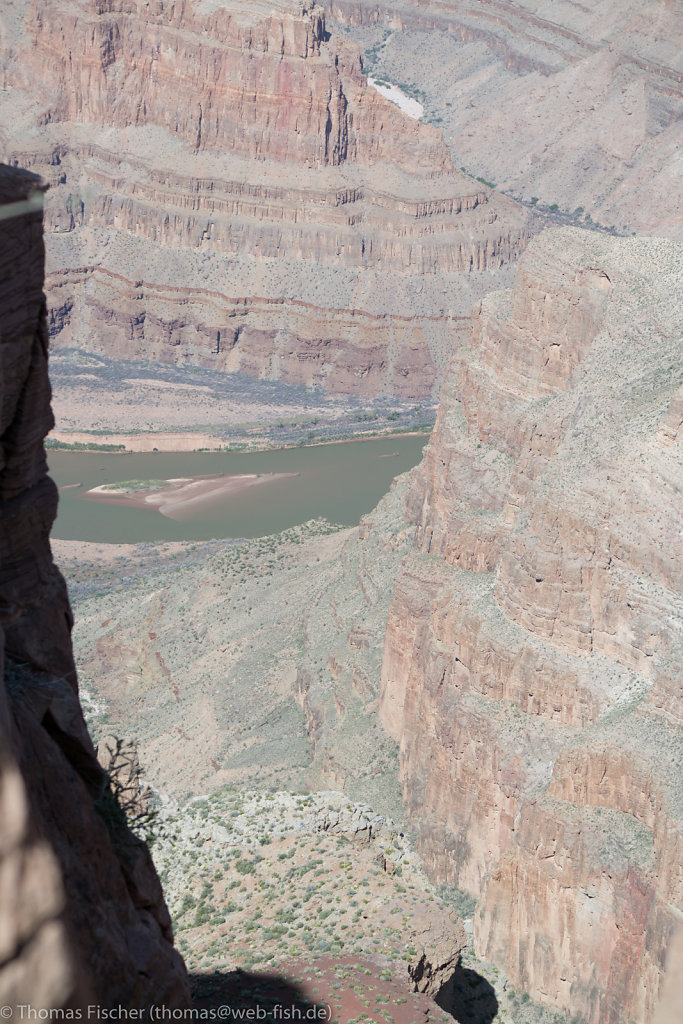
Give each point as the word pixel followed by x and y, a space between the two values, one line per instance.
pixel 170 443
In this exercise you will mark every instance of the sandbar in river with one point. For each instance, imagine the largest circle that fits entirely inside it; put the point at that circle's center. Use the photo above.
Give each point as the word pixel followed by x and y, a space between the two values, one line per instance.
pixel 181 497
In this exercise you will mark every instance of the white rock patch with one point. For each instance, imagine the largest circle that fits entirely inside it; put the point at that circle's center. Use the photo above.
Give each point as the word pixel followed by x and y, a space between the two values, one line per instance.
pixel 392 92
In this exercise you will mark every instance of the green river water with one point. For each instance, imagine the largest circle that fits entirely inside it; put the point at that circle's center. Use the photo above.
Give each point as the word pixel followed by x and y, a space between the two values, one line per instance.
pixel 338 481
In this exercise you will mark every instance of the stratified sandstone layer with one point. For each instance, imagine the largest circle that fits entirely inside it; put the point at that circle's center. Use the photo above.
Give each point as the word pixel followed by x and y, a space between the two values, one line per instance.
pixel 576 104
pixel 533 650
pixel 82 916
pixel 228 191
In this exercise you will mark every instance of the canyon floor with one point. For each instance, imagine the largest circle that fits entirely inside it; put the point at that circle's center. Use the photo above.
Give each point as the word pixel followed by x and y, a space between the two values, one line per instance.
pixel 103 403
pixel 301 894
pixel 206 627
pixel 322 892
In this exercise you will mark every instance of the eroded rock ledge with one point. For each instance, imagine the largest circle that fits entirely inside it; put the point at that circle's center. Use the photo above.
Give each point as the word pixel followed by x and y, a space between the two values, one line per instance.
pixel 82 916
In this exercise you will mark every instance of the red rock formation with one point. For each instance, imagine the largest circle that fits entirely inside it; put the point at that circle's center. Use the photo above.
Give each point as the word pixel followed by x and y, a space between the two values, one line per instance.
pixel 82 916
pixel 529 669
pixel 207 161
pixel 286 101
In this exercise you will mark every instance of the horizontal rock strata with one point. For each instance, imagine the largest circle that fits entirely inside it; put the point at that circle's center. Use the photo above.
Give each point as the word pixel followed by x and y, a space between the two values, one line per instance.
pixel 200 157
pixel 576 105
pixel 529 667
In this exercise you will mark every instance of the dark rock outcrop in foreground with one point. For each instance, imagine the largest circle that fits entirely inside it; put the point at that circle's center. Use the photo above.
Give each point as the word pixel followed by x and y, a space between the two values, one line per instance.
pixel 82 916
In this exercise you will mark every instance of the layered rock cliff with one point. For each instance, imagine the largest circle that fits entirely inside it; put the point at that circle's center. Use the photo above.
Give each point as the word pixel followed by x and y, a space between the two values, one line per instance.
pixel 532 647
pixel 577 105
pixel 227 190
pixel 532 657
pixel 82 916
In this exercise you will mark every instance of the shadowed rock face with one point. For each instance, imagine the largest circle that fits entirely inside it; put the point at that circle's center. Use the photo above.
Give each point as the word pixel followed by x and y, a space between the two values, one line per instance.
pixel 82 916
pixel 531 649
pixel 226 190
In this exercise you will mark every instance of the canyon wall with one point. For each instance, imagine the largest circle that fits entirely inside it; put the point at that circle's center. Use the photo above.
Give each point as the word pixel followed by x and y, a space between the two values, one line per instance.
pixel 82 916
pixel 227 190
pixel 577 105
pixel 532 657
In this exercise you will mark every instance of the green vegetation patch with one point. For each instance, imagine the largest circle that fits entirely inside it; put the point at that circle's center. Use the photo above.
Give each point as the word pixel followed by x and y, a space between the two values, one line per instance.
pixel 83 446
pixel 136 485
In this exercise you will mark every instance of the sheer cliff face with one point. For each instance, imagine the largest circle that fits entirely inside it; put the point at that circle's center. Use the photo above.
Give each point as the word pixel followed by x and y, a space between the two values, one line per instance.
pixel 531 651
pixel 82 917
pixel 260 83
pixel 227 190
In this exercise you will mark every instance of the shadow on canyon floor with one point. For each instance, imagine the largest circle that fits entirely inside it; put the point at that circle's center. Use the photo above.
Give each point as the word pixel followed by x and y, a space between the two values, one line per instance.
pixel 468 997
pixel 265 997
pixel 339 991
